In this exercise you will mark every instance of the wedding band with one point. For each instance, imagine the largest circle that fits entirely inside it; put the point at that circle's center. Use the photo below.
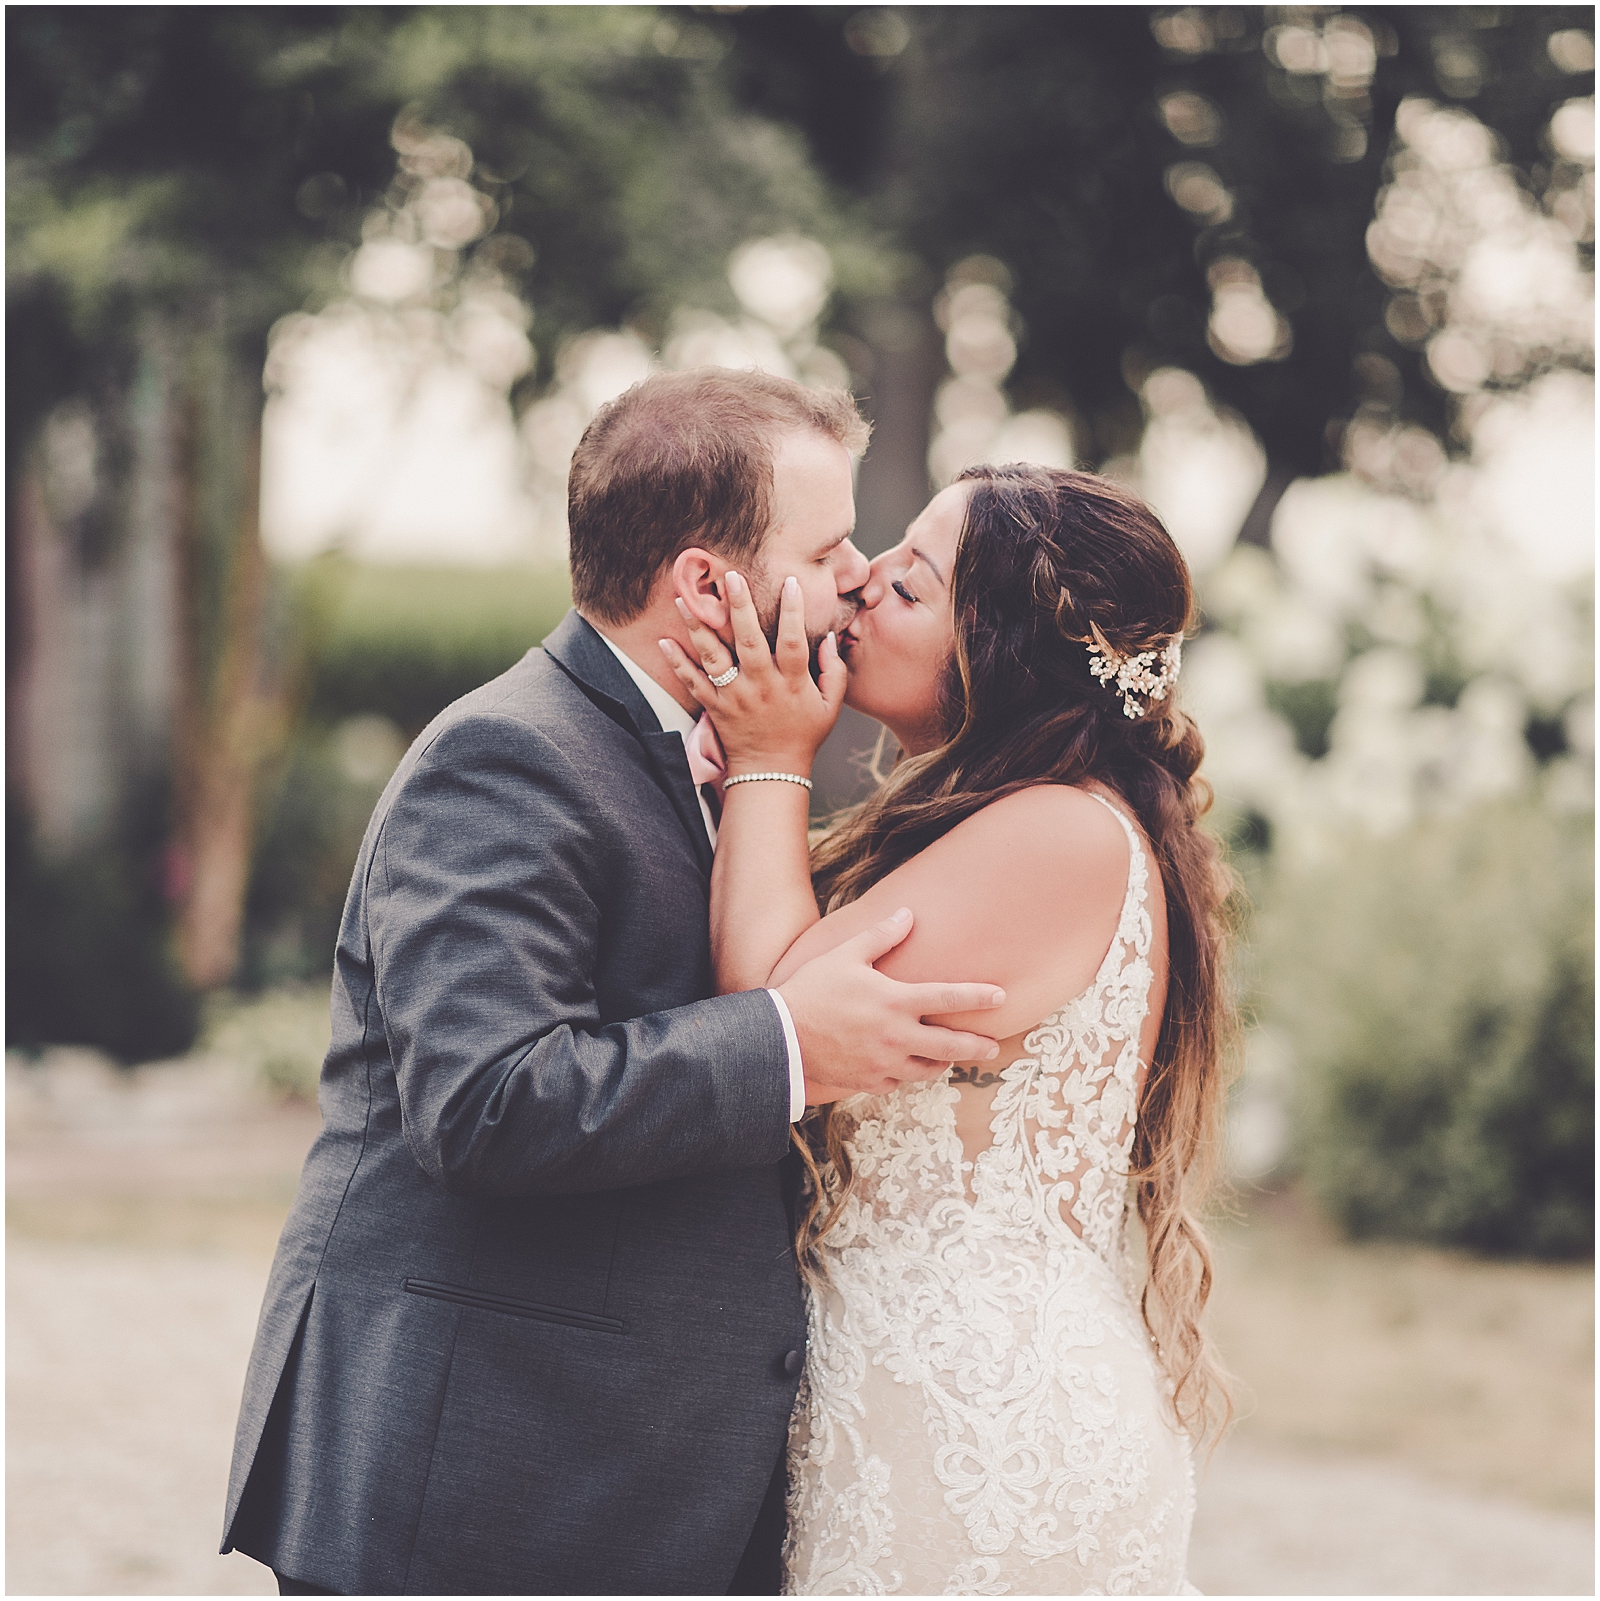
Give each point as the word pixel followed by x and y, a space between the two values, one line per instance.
pixel 722 680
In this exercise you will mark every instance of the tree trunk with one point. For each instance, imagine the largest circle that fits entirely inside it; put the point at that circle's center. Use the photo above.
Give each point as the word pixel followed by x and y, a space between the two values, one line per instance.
pixel 907 365
pixel 230 719
pixel 1257 526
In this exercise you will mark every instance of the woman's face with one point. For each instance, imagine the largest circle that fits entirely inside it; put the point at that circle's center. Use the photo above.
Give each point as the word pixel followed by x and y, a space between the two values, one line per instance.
pixel 898 644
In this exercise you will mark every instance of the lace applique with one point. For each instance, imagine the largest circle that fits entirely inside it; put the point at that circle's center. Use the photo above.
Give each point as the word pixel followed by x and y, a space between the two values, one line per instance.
pixel 982 1412
pixel 979 1577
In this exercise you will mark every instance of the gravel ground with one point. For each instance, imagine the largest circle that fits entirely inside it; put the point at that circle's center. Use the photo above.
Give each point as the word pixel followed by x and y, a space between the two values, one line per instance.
pixel 141 1217
pixel 123 1369
pixel 1276 1522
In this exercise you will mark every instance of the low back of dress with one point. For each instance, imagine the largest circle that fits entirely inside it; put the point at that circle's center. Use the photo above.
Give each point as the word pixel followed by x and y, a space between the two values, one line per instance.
pixel 983 1412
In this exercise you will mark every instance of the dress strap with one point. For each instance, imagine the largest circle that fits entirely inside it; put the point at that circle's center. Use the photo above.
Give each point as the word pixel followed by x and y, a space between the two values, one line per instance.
pixel 1136 863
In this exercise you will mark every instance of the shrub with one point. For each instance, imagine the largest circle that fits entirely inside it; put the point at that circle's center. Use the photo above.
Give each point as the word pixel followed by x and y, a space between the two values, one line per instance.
pixel 89 956
pixel 281 1035
pixel 387 648
pixel 312 819
pixel 1439 993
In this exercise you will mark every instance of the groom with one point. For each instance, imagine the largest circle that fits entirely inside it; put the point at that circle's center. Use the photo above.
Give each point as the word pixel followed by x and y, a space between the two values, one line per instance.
pixel 534 1324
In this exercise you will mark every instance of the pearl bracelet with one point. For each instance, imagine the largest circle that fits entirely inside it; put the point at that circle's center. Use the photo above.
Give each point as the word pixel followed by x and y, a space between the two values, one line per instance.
pixel 751 778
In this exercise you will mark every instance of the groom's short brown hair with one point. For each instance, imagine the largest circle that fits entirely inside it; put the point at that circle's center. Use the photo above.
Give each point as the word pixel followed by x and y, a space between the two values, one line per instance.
pixel 681 459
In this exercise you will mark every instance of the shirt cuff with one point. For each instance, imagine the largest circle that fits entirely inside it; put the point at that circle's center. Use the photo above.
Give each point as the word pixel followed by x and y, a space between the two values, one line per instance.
pixel 797 1071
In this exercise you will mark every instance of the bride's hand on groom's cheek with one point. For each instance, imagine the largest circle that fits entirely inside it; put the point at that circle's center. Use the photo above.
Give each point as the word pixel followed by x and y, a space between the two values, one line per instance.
pixel 771 714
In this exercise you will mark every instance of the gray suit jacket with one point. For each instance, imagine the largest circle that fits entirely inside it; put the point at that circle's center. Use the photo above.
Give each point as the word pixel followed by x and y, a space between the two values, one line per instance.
pixel 534 1323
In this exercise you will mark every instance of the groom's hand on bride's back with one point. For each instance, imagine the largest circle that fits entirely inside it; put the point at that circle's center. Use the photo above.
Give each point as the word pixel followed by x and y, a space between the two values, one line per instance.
pixel 861 1032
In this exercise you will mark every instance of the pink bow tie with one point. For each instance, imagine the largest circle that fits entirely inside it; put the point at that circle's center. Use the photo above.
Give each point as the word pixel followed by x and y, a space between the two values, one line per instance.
pixel 707 763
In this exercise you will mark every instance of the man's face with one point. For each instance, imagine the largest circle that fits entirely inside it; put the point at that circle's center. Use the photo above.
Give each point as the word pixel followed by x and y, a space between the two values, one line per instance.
pixel 813 517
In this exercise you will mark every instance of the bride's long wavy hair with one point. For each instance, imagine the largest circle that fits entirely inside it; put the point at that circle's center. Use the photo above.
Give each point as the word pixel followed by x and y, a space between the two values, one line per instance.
pixel 1048 562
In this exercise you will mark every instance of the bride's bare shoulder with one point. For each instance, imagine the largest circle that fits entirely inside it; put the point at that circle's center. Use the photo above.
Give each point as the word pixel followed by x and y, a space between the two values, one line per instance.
pixel 1025 893
pixel 1061 805
pixel 1048 828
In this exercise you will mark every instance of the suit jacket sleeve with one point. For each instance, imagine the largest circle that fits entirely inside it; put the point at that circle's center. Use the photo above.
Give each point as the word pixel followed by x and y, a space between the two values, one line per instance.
pixel 485 899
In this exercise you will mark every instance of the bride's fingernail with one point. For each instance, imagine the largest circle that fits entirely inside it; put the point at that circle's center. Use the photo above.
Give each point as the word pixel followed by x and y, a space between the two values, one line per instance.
pixel 677 600
pixel 791 588
pixel 998 998
pixel 734 582
pixel 667 648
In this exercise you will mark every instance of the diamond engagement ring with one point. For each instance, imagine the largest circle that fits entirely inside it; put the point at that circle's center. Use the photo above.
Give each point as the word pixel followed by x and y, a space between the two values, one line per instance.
pixel 722 680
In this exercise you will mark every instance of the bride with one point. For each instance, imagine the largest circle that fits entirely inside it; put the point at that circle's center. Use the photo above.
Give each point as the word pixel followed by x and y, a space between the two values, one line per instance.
pixel 991 1406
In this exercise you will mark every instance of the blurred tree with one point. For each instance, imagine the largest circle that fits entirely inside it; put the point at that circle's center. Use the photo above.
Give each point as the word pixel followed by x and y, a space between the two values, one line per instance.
pixel 180 178
pixel 154 235
pixel 1188 186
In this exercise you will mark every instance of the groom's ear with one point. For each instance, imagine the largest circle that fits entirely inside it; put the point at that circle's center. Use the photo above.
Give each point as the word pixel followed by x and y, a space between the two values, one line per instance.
pixel 697 581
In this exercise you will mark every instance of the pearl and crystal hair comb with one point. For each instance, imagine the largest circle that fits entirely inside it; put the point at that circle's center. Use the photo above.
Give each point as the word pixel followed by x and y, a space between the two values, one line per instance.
pixel 1150 674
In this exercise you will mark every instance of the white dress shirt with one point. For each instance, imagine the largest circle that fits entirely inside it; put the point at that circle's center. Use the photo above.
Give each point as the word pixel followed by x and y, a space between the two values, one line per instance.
pixel 675 720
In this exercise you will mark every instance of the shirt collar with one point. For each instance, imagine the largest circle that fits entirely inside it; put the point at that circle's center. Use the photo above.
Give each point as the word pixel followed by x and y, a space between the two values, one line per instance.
pixel 672 717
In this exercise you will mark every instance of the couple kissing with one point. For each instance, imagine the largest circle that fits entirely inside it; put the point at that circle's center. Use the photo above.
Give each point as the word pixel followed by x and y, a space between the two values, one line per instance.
pixel 699 1209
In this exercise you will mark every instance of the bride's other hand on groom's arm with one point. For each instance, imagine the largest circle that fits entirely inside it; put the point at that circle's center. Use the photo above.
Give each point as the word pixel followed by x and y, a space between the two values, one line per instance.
pixel 862 1032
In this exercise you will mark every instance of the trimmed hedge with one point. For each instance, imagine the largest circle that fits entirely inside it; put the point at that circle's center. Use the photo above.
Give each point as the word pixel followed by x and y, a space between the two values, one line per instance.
pixel 403 642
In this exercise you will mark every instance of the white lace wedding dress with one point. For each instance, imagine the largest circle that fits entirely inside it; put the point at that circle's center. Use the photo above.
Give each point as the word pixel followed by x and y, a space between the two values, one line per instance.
pixel 983 1412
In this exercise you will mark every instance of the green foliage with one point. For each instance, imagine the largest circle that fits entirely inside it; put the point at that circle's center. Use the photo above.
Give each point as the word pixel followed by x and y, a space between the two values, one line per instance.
pixel 1056 138
pixel 1308 708
pixel 1439 993
pixel 282 1036
pixel 310 824
pixel 165 159
pixel 88 959
pixel 617 154
pixel 403 642
pixel 390 647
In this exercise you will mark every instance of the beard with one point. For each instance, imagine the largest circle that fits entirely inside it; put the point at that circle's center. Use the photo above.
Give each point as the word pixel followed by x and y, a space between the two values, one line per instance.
pixel 767 601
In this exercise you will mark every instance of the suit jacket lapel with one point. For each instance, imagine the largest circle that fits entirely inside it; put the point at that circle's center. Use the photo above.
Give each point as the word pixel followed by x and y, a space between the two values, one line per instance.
pixel 672 770
pixel 579 651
